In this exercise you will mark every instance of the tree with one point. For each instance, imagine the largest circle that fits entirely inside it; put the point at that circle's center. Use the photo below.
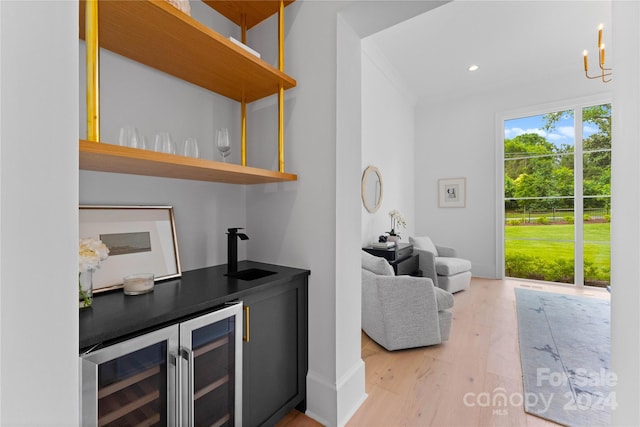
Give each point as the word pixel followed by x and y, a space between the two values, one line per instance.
pixel 597 151
pixel 565 156
pixel 529 162
pixel 535 168
pixel 597 161
pixel 599 115
pixel 522 154
pixel 531 188
pixel 563 187
pixel 509 193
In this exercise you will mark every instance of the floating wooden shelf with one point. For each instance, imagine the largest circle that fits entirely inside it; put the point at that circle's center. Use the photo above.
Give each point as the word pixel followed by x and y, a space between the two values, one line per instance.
pixel 254 11
pixel 160 36
pixel 103 157
pixel 157 34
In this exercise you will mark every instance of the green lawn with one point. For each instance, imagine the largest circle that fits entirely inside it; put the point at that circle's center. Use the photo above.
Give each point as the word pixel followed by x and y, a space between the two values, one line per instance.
pixel 549 259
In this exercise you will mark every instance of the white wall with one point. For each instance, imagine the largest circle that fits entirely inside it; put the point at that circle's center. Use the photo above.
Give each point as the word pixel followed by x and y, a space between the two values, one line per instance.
pixel 203 210
pixel 38 213
pixel 153 101
pixel 388 141
pixel 457 138
pixel 312 223
pixel 350 367
pixel 625 210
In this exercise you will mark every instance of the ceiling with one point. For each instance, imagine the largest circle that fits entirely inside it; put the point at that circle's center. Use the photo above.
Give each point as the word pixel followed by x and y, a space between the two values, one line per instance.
pixel 511 41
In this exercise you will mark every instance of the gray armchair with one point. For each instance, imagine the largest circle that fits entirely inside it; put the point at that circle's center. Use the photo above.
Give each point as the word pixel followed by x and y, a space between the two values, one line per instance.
pixel 402 311
pixel 441 265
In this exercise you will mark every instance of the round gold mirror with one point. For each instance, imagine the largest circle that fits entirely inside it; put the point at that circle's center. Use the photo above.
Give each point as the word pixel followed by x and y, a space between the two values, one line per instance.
pixel 372 189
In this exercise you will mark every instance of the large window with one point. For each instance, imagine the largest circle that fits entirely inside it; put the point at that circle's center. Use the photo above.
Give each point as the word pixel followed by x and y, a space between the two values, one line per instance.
pixel 557 195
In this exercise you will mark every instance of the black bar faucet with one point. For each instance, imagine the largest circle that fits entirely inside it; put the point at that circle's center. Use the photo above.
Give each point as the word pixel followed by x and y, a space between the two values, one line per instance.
pixel 232 248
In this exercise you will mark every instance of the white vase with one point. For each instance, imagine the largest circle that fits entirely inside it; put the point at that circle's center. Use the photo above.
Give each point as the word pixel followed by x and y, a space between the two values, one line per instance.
pixel 85 289
pixel 394 239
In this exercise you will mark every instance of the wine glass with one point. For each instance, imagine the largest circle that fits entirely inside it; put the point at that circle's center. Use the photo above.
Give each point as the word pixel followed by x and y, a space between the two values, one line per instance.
pixel 191 148
pixel 164 144
pixel 222 142
pixel 143 142
pixel 129 137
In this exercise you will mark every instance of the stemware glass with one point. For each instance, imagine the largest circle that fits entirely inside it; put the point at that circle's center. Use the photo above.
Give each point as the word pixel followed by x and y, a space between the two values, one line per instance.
pixel 129 137
pixel 164 144
pixel 191 148
pixel 222 142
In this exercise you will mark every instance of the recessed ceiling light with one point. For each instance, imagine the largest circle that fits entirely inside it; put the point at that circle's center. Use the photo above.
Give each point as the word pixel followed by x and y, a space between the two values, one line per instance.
pixel 473 68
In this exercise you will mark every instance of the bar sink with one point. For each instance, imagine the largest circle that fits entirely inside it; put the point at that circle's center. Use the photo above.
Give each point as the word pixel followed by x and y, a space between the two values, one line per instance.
pixel 250 274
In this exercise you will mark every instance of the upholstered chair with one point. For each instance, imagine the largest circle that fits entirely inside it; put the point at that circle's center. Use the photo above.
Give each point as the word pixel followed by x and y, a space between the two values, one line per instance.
pixel 441 265
pixel 402 311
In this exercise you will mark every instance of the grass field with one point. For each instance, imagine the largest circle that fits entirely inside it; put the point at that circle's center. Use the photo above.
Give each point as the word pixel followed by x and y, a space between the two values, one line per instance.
pixel 551 257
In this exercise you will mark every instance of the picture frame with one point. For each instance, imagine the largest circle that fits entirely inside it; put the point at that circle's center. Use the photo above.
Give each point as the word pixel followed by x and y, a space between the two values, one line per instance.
pixel 452 193
pixel 141 239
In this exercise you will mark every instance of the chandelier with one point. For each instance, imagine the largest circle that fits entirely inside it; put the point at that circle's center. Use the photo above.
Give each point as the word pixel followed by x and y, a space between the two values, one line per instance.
pixel 604 72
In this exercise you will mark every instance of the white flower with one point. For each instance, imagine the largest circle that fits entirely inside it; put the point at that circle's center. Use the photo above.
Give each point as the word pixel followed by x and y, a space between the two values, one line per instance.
pixel 91 252
pixel 397 220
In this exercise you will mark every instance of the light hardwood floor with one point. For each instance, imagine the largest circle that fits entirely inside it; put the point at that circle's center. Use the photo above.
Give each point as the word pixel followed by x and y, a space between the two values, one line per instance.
pixel 427 386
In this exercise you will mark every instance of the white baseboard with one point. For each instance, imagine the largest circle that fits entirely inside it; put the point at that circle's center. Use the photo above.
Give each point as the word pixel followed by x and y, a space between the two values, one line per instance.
pixel 334 403
pixel 351 392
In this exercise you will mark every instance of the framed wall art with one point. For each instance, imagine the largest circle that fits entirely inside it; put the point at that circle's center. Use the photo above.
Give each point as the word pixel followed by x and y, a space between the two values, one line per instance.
pixel 452 193
pixel 141 239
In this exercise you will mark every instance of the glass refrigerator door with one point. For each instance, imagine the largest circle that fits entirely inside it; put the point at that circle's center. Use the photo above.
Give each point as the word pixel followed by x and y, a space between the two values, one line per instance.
pixel 211 350
pixel 131 383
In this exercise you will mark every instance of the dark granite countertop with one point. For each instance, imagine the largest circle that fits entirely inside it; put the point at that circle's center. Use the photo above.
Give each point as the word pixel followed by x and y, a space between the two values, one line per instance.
pixel 114 315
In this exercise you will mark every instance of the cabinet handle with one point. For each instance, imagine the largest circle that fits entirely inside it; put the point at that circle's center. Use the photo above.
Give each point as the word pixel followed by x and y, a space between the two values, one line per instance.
pixel 245 338
pixel 187 354
pixel 175 358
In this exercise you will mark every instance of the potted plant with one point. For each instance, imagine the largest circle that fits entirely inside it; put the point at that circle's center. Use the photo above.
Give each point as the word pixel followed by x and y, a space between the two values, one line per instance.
pixel 397 222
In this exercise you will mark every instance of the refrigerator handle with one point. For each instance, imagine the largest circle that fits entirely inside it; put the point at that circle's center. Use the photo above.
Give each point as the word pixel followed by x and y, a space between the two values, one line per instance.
pixel 175 358
pixel 187 354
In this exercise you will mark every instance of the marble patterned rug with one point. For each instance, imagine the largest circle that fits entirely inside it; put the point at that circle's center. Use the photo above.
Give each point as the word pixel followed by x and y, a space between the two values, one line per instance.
pixel 565 342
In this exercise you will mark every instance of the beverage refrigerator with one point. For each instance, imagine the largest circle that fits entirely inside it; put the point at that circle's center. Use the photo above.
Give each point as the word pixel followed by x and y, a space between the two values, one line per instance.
pixel 186 374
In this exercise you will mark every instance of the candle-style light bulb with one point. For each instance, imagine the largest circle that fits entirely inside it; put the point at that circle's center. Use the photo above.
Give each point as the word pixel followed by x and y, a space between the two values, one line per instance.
pixel 602 54
pixel 600 34
pixel 586 60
